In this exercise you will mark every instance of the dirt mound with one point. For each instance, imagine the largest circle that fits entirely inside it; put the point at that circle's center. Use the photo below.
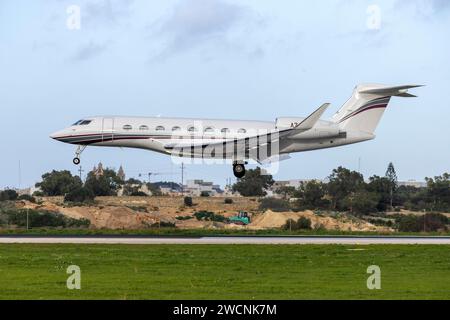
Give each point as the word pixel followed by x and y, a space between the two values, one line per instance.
pixel 271 219
pixel 101 217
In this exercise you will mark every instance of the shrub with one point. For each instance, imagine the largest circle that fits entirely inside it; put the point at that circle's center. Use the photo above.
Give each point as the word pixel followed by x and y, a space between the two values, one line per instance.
pixel 138 194
pixel 277 205
pixel 209 216
pixel 301 224
pixel 163 224
pixel 429 222
pixel 304 223
pixel 408 223
pixel 182 218
pixel 80 195
pixel 27 197
pixel 38 194
pixel 228 201
pixel 188 202
pixel 8 194
pixel 138 208
pixel 40 219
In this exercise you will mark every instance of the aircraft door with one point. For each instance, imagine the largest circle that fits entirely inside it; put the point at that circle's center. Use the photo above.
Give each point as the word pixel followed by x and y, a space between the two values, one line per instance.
pixel 108 129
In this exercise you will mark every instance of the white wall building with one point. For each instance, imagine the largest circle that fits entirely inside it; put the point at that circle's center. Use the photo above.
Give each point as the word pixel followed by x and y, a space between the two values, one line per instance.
pixel 197 187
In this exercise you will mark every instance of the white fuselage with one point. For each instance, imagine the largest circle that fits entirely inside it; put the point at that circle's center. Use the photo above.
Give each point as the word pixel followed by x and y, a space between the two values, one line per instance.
pixel 155 133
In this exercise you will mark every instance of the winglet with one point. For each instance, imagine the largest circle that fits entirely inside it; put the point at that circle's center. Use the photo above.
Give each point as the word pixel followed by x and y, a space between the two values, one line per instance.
pixel 311 120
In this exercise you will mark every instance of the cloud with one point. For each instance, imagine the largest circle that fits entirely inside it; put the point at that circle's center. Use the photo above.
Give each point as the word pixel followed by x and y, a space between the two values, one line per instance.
pixel 192 23
pixel 89 51
pixel 105 12
pixel 425 8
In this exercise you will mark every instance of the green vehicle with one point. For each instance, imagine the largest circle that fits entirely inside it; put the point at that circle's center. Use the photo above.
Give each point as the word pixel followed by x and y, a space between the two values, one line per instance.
pixel 242 219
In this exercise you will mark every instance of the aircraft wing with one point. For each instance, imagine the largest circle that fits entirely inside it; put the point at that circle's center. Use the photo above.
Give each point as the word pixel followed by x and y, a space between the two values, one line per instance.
pixel 259 147
pixel 311 120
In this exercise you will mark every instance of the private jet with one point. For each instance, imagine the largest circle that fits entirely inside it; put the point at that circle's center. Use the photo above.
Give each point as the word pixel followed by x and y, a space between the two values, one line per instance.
pixel 239 141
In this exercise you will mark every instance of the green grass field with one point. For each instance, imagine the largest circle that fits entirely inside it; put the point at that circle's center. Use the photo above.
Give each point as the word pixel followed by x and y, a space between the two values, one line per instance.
pixel 224 272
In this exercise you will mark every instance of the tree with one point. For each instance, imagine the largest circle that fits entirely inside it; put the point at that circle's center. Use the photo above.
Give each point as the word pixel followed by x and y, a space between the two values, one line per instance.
pixel 8 194
pixel 383 187
pixel 285 191
pixel 80 195
pixel 438 191
pixel 133 181
pixel 253 184
pixel 362 202
pixel 311 195
pixel 343 182
pixel 392 177
pixel 58 183
pixel 104 185
pixel 154 189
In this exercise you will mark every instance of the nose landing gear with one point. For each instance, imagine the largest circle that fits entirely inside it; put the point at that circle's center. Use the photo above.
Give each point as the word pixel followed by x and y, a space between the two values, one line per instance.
pixel 78 152
pixel 239 170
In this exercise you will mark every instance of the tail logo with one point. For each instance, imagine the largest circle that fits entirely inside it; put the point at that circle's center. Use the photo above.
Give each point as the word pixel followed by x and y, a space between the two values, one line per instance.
pixel 373 104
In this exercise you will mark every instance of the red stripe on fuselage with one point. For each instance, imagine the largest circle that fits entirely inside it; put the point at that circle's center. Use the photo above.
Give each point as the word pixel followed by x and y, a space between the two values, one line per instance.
pixel 377 106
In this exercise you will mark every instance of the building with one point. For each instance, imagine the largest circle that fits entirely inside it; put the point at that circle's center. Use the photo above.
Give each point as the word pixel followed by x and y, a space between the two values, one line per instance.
pixel 98 171
pixel 296 183
pixel 412 183
pixel 121 174
pixel 198 187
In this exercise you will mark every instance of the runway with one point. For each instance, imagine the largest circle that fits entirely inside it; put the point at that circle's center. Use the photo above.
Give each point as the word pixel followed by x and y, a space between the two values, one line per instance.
pixel 228 240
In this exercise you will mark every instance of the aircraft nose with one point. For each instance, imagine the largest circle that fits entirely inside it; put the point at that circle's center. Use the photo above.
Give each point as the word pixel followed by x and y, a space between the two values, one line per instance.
pixel 57 135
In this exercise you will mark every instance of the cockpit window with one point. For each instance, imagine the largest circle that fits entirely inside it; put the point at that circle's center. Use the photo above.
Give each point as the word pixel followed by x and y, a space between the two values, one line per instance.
pixel 82 123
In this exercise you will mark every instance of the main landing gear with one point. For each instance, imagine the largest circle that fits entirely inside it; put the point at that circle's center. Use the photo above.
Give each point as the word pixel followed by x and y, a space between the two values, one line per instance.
pixel 239 169
pixel 76 160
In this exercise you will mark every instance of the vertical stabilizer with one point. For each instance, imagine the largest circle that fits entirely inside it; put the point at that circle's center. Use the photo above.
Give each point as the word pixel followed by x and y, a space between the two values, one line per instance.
pixel 363 111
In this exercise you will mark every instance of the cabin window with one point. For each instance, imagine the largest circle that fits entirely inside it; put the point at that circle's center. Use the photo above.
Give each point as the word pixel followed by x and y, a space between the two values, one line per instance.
pixel 176 128
pixel 209 130
pixel 160 128
pixel 225 130
pixel 242 131
pixel 127 127
pixel 143 128
pixel 192 129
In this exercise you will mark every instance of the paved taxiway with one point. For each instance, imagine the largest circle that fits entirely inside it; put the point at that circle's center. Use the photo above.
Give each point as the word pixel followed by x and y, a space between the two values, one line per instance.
pixel 225 240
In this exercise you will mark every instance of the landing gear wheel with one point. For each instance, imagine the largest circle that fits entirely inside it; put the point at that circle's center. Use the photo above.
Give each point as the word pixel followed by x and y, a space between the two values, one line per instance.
pixel 239 170
pixel 80 149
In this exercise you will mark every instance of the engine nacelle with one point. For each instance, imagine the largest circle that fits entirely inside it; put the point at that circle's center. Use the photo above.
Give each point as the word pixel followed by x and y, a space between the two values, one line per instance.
pixel 283 123
pixel 322 130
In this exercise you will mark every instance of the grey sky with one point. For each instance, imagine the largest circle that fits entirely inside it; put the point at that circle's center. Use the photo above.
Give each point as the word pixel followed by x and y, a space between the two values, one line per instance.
pixel 247 59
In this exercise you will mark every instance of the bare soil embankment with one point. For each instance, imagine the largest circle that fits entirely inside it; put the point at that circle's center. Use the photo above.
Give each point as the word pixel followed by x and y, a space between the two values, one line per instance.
pixel 142 212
